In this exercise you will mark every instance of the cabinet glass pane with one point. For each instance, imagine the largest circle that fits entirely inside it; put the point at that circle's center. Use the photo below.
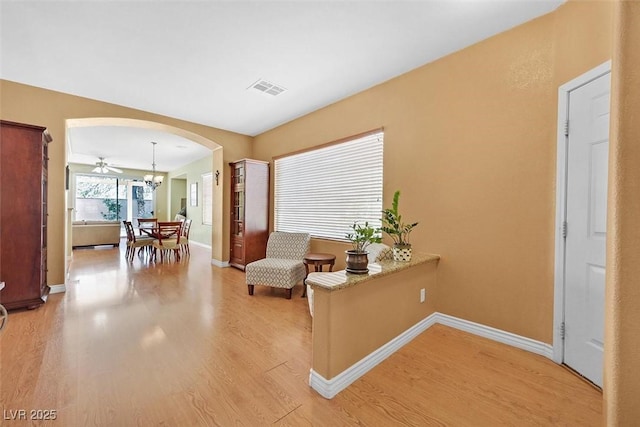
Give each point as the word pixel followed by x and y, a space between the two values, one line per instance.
pixel 238 176
pixel 237 228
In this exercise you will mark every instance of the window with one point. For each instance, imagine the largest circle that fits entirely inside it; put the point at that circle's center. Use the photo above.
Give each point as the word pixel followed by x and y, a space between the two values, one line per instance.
pixel 207 198
pixel 109 198
pixel 97 198
pixel 324 191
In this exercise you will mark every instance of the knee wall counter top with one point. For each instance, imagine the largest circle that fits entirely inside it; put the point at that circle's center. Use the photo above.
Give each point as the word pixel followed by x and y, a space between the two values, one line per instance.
pixel 341 279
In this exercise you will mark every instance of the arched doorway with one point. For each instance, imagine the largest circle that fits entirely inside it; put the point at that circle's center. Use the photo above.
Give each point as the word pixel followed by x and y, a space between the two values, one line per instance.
pixel 73 125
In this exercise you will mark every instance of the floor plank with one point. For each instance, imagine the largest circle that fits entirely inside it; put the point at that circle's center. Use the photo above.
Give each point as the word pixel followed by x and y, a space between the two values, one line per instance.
pixel 182 343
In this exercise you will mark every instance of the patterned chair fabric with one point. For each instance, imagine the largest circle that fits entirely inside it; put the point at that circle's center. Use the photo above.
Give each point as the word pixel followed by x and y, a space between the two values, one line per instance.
pixel 283 266
pixel 379 252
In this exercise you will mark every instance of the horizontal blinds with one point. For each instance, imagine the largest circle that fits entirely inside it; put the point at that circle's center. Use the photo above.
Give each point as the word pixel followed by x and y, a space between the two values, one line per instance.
pixel 324 191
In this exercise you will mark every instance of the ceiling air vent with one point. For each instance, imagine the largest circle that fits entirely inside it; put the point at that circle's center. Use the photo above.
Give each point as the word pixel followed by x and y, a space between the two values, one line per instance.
pixel 266 87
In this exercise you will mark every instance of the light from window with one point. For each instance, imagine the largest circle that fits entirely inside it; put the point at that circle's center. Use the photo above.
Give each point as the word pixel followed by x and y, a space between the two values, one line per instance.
pixel 207 198
pixel 324 191
pixel 108 198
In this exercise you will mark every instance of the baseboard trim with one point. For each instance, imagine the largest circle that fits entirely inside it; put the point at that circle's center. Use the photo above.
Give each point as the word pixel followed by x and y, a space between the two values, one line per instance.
pixel 57 289
pixel 329 388
pixel 202 245
pixel 498 335
pixel 221 264
pixel 68 264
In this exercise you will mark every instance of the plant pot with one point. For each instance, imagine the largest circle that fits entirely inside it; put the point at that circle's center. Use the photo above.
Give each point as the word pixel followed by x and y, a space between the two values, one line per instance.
pixel 357 262
pixel 402 253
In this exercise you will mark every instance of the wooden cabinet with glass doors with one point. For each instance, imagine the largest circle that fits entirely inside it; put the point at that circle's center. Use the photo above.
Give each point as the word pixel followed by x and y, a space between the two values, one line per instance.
pixel 23 214
pixel 249 211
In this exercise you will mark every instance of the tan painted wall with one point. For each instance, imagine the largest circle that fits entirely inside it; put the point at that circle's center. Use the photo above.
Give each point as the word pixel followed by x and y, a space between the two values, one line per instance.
pixel 622 330
pixel 27 104
pixel 470 142
pixel 350 323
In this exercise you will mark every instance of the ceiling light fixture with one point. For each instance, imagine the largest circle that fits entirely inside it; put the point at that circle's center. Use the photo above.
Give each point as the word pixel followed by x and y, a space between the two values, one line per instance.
pixel 153 181
pixel 102 167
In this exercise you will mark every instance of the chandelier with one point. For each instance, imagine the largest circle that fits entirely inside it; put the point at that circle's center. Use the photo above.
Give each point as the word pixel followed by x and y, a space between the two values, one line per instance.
pixel 154 181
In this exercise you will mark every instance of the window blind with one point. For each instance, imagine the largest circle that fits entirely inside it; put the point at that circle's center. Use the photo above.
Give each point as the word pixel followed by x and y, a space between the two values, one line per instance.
pixel 207 199
pixel 324 191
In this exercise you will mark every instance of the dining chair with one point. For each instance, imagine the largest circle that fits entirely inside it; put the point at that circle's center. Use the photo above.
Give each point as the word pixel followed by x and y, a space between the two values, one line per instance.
pixel 144 223
pixel 167 239
pixel 184 238
pixel 134 242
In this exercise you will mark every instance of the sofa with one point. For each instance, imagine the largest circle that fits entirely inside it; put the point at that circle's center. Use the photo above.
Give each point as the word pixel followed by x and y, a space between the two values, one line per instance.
pixel 94 233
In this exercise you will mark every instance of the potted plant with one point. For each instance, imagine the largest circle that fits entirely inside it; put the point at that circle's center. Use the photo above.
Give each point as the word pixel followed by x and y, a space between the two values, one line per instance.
pixel 398 230
pixel 361 237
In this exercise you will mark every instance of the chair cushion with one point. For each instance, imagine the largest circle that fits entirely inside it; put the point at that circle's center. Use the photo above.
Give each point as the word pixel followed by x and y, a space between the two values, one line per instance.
pixel 166 244
pixel 276 272
pixel 140 242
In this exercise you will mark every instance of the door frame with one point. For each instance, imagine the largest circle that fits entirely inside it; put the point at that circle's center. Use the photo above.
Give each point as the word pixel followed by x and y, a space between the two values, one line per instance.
pixel 561 201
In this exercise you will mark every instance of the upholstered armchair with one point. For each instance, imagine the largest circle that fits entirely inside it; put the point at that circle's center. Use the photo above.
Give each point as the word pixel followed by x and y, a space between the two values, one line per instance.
pixel 283 266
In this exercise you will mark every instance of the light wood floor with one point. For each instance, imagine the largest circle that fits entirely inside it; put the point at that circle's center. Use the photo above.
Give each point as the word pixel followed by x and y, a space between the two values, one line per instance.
pixel 182 344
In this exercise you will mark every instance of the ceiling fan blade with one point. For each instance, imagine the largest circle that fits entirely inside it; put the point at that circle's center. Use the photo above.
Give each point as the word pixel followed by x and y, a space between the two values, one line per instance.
pixel 97 169
pixel 116 170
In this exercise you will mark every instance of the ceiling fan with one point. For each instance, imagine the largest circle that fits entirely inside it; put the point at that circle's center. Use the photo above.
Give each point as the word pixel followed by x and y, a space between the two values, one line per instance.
pixel 102 167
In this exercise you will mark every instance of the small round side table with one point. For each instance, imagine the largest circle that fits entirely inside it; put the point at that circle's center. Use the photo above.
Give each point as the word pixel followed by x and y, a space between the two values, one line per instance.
pixel 317 260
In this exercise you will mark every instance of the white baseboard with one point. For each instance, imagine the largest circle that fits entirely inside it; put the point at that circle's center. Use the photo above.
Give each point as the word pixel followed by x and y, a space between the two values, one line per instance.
pixel 329 388
pixel 221 264
pixel 498 335
pixel 68 265
pixel 57 289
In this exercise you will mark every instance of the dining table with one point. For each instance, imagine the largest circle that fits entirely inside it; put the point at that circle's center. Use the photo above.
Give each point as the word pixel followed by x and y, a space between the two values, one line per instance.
pixel 164 230
pixel 144 224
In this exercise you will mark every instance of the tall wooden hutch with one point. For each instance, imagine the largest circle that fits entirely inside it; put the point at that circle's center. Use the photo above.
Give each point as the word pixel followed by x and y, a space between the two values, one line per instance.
pixel 23 214
pixel 249 211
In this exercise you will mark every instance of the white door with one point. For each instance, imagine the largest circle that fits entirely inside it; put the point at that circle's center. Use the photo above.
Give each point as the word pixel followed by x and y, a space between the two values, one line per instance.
pixel 586 216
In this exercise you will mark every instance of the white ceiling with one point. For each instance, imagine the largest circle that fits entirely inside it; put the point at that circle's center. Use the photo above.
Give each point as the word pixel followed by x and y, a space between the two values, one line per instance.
pixel 196 60
pixel 128 147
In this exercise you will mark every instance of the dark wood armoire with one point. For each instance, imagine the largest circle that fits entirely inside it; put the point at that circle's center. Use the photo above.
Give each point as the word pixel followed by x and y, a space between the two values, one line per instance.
pixel 23 214
pixel 249 211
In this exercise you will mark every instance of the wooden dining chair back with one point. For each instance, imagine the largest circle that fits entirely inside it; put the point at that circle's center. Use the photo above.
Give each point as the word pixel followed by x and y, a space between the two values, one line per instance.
pixel 167 240
pixel 146 223
pixel 184 239
pixel 133 241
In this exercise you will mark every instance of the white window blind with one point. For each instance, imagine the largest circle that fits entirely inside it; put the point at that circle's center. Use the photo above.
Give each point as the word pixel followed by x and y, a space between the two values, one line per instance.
pixel 207 199
pixel 324 191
